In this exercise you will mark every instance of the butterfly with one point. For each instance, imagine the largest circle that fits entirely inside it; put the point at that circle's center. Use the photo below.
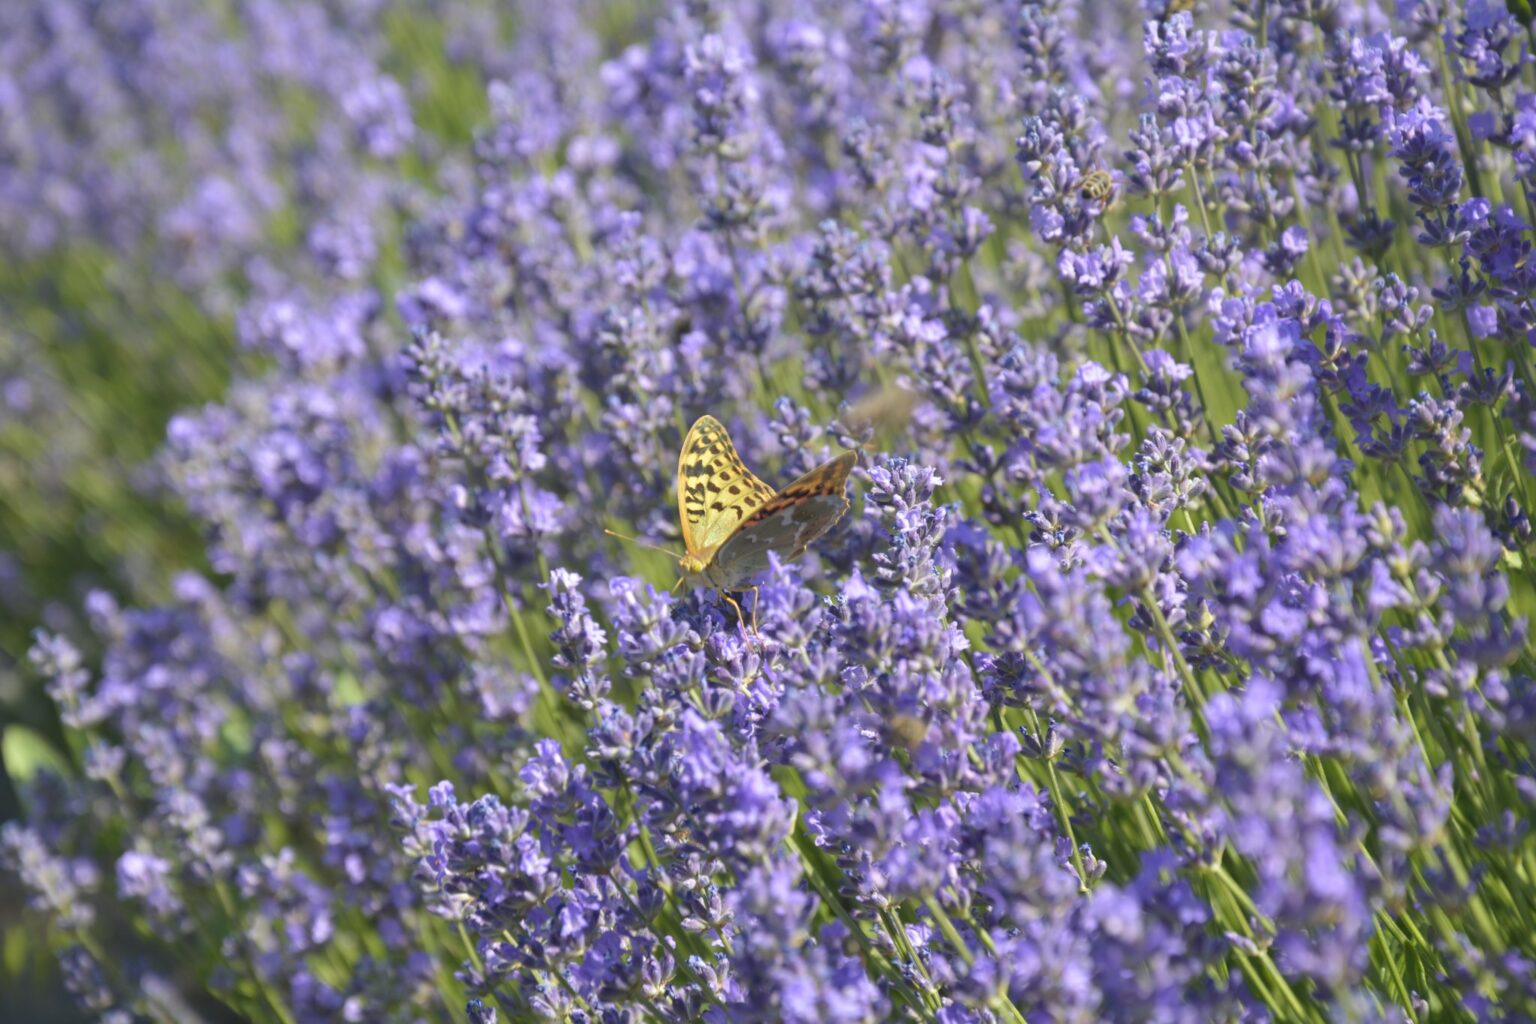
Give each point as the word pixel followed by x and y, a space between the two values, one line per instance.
pixel 732 521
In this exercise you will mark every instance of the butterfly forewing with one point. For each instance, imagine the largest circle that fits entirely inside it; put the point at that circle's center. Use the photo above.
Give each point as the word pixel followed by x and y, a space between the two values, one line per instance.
pixel 716 492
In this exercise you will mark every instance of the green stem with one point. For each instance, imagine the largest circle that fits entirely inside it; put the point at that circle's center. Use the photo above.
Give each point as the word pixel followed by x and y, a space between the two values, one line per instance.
pixel 1000 1001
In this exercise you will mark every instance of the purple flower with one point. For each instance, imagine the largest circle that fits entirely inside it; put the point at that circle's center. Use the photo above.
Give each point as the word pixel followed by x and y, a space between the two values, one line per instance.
pixel 1171 660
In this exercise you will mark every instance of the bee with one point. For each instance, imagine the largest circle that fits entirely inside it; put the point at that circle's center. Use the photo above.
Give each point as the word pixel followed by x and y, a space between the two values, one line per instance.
pixel 1097 186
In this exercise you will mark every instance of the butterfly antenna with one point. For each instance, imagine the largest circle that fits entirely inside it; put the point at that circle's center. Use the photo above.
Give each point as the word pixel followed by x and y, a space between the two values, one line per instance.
pixel 645 544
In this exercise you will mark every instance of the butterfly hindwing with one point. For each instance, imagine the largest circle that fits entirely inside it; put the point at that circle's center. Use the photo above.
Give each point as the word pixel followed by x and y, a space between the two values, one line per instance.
pixel 787 523
pixel 829 479
pixel 716 492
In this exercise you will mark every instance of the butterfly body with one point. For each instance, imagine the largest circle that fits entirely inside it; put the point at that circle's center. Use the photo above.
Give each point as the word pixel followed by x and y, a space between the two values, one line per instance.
pixel 732 521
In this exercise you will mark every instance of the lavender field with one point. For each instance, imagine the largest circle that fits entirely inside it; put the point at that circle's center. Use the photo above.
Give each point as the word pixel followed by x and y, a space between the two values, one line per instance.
pixel 1171 664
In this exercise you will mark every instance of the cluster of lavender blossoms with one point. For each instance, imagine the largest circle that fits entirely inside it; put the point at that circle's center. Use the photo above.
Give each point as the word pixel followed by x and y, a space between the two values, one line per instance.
pixel 1171 665
pixel 164 130
pixel 185 186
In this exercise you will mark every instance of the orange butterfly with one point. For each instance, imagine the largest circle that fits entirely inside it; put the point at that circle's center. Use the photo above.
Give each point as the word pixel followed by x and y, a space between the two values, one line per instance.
pixel 732 521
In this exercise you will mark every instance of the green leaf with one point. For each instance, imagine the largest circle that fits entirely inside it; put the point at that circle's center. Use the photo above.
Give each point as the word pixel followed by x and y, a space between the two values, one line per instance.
pixel 236 733
pixel 13 950
pixel 346 691
pixel 26 752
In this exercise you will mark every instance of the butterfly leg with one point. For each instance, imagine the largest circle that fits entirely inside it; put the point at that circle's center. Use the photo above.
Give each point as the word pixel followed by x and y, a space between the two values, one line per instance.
pixel 740 617
pixel 757 599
